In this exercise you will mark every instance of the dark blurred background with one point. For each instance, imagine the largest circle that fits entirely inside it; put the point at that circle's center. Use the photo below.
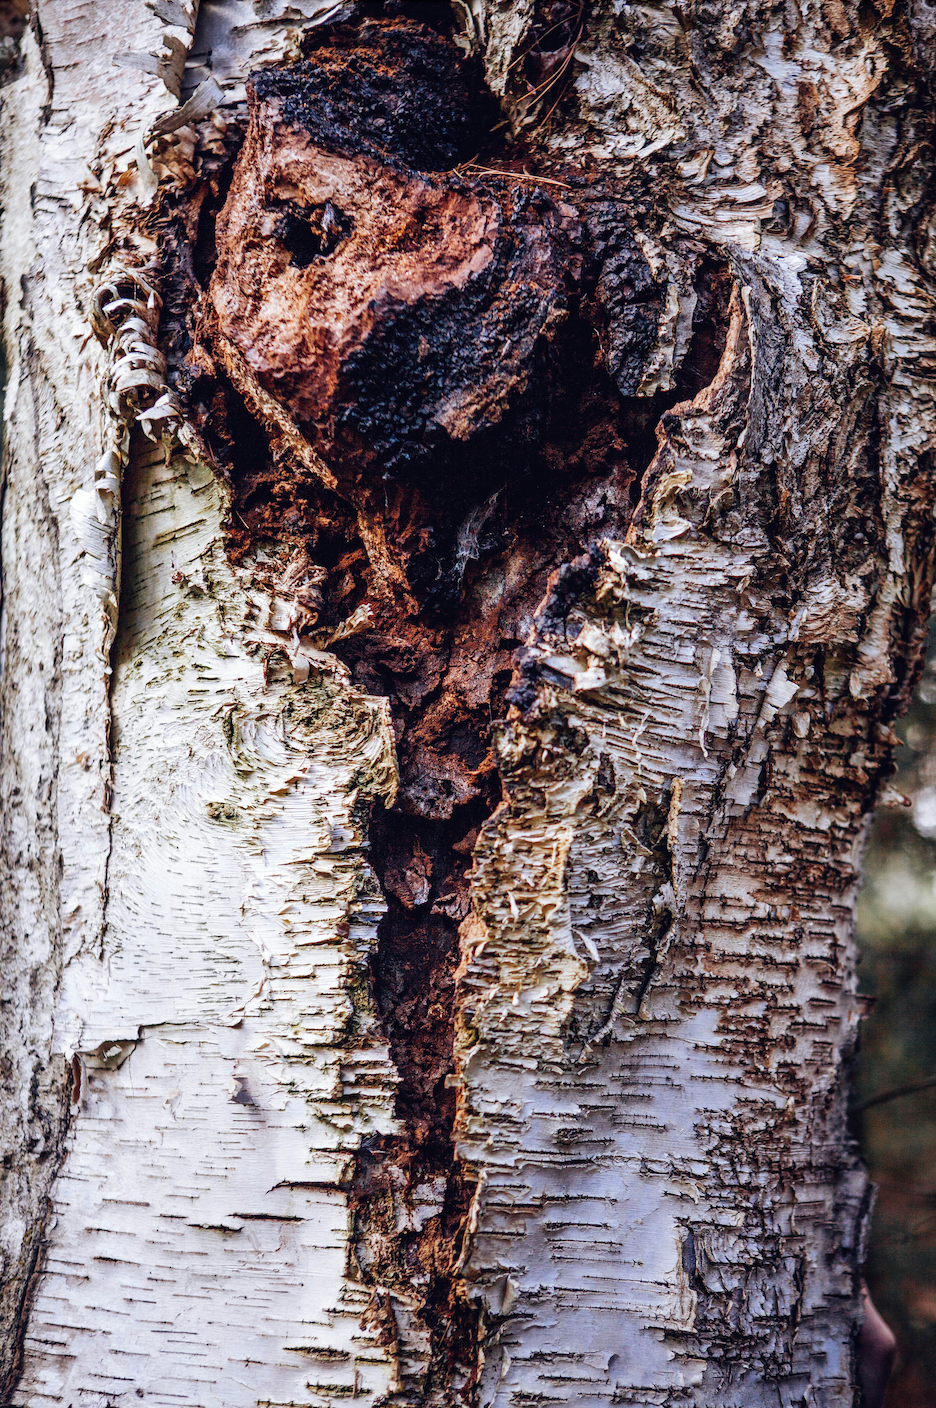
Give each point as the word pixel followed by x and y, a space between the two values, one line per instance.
pixel 897 936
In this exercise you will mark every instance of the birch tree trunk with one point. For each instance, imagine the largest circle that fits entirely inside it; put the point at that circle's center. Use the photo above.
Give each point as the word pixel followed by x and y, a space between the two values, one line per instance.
pixel 458 581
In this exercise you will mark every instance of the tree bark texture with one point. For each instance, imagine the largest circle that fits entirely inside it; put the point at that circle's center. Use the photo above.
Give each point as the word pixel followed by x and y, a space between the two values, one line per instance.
pixel 467 534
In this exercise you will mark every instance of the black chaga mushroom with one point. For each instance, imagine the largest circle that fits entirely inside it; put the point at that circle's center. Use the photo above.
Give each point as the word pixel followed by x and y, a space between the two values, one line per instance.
pixel 384 315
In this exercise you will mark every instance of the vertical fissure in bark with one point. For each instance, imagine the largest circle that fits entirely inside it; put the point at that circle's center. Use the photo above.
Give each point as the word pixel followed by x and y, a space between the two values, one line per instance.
pixel 34 1087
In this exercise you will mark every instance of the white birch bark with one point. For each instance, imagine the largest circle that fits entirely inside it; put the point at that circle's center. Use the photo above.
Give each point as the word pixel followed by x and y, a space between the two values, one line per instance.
pixel 205 853
pixel 657 1003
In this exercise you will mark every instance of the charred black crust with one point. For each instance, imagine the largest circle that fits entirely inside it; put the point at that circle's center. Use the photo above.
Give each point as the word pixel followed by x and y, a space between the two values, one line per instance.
pixel 629 297
pixel 500 332
pixel 391 89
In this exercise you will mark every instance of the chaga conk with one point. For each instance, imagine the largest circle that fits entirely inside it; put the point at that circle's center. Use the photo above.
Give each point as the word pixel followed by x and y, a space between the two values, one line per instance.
pixel 369 297
pixel 387 315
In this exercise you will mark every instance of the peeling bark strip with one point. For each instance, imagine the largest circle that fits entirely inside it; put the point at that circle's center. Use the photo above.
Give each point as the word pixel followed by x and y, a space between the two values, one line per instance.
pixel 437 902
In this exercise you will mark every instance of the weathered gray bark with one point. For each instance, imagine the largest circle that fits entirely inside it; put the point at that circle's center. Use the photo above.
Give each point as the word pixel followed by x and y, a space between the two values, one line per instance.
pixel 224 1183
